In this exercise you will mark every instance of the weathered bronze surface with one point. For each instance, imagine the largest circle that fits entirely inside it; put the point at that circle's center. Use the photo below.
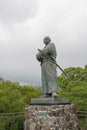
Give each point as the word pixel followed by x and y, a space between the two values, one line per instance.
pixel 48 67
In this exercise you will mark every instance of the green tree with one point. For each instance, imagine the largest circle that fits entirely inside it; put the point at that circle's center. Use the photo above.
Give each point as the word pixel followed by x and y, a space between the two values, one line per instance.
pixel 75 88
pixel 14 98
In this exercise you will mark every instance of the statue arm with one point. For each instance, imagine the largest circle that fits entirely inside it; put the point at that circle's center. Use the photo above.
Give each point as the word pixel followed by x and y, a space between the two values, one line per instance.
pixel 39 57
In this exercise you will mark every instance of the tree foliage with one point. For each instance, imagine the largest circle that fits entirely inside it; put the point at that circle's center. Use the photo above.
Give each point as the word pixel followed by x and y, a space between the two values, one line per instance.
pixel 14 98
pixel 75 87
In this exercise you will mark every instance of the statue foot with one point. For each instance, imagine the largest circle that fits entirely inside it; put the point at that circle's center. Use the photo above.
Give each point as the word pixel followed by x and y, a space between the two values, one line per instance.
pixel 54 94
pixel 49 95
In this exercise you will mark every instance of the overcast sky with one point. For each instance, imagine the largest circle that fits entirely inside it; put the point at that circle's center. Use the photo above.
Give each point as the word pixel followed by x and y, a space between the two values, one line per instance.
pixel 23 25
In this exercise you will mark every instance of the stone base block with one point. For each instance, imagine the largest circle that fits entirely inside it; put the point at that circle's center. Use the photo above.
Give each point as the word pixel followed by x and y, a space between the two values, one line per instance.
pixel 52 117
pixel 49 101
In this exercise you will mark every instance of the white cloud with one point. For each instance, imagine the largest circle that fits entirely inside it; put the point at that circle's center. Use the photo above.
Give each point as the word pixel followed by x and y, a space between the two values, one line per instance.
pixel 4 35
pixel 18 10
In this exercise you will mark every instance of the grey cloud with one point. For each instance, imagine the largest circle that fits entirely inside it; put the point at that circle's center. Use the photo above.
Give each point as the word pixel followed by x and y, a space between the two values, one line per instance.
pixel 18 11
pixel 64 21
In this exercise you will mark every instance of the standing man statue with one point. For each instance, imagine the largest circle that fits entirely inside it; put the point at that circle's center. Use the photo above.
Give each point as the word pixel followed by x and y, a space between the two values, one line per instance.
pixel 48 68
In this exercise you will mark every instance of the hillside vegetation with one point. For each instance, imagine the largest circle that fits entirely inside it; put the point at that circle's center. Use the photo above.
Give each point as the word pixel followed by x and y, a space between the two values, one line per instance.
pixel 14 98
pixel 74 87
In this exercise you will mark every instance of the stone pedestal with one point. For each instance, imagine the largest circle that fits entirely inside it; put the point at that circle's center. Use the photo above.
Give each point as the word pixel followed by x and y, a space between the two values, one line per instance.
pixel 51 117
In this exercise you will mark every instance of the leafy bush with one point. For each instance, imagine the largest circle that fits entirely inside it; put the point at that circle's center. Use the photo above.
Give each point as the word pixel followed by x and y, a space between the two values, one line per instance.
pixel 75 88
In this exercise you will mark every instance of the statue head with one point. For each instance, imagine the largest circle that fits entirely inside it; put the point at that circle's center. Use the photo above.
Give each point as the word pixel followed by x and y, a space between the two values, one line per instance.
pixel 46 40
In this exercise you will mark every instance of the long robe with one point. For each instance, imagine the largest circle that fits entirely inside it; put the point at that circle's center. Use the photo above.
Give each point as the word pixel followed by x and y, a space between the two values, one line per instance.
pixel 48 69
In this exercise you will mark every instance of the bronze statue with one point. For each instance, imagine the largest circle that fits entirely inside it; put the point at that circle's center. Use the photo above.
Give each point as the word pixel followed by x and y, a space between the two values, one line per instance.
pixel 46 57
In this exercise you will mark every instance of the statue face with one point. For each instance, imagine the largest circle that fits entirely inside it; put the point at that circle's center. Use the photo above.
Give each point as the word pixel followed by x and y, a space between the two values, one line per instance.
pixel 47 40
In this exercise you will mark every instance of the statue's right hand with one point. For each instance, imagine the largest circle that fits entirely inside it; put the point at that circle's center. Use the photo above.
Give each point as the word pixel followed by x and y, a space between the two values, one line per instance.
pixel 39 57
